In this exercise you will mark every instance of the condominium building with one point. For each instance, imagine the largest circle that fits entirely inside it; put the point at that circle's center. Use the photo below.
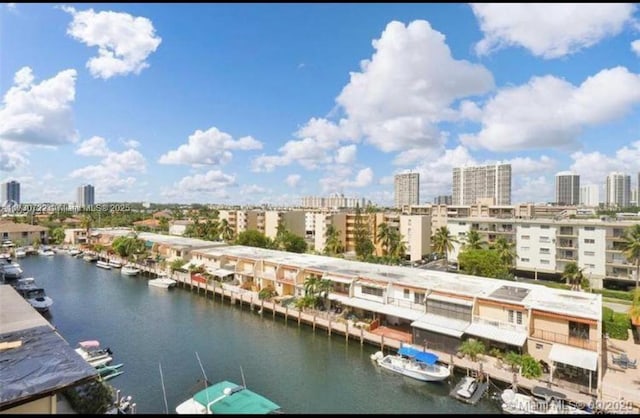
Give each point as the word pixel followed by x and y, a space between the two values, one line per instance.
pixel 590 195
pixel 10 193
pixel 618 190
pixel 406 189
pixel 567 188
pixel 443 200
pixel 546 246
pixel 480 182
pixel 23 234
pixel 237 219
pixel 333 201
pixel 440 310
pixel 85 196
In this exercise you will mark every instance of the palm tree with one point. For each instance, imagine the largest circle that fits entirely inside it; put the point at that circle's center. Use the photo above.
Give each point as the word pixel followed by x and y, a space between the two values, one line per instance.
pixel 631 249
pixel 333 243
pixel 573 275
pixel 398 246
pixel 85 223
pixel 506 251
pixel 473 240
pixel 384 236
pixel 442 243
pixel 226 230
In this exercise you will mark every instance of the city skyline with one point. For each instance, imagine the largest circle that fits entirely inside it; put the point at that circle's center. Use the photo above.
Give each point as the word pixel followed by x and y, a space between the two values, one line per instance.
pixel 219 114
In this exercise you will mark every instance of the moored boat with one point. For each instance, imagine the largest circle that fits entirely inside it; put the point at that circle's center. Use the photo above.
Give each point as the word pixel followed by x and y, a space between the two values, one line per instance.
pixel 227 398
pixel 414 363
pixel 129 270
pixel 91 352
pixel 90 258
pixel 115 264
pixel 470 389
pixel 163 282
pixel 103 264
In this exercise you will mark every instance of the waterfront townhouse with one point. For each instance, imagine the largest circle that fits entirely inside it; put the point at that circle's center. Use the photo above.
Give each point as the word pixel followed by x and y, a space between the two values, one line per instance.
pixel 23 234
pixel 76 236
pixel 437 309
pixel 545 246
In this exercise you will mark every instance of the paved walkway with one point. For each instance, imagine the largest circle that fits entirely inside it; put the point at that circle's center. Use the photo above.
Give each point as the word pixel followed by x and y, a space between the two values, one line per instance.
pixel 619 383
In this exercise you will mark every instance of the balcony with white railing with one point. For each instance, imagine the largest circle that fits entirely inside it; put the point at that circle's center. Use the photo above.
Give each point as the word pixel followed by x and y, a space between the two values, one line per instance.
pixel 406 303
pixel 500 324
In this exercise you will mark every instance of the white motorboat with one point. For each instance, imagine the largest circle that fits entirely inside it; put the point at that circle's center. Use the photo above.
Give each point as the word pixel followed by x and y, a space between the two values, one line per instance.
pixel 74 252
pixel 103 264
pixel 470 389
pixel 34 294
pixel 46 252
pixel 20 253
pixel 94 355
pixel 227 398
pixel 414 363
pixel 163 282
pixel 129 270
pixel 115 264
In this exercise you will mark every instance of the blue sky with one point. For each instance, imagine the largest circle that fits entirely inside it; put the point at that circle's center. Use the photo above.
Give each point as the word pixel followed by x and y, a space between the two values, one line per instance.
pixel 266 103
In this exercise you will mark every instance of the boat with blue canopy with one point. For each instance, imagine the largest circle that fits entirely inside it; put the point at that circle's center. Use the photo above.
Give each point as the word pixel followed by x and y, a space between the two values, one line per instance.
pixel 414 363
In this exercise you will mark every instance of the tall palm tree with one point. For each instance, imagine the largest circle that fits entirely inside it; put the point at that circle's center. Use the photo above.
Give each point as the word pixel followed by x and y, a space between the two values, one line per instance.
pixel 226 230
pixel 573 275
pixel 399 246
pixel 473 240
pixel 333 243
pixel 506 251
pixel 631 248
pixel 442 243
pixel 384 236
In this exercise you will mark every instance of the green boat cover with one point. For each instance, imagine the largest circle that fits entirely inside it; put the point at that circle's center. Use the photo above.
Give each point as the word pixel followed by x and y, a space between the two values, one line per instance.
pixel 240 401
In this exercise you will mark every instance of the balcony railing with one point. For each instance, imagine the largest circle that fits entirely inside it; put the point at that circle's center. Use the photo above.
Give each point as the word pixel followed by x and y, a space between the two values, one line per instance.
pixel 564 339
pixel 500 324
pixel 405 303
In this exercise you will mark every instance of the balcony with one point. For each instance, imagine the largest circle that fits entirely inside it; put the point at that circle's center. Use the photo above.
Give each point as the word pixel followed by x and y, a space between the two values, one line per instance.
pixel 500 324
pixel 564 339
pixel 567 232
pixel 406 303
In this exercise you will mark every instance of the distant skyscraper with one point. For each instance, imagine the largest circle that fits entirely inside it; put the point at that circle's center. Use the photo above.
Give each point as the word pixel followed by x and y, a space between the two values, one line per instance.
pixel 567 188
pixel 638 188
pixel 407 189
pixel 481 182
pixel 618 190
pixel 443 200
pixel 10 192
pixel 85 196
pixel 590 195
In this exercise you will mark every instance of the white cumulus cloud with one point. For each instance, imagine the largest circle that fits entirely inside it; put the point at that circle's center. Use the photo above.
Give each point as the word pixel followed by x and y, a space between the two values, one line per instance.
pixel 549 112
pixel 124 41
pixel 210 147
pixel 39 113
pixel 635 47
pixel 346 154
pixel 549 30
pixel 293 180
pixel 211 181
pixel 12 156
pixel 594 167
pixel 95 146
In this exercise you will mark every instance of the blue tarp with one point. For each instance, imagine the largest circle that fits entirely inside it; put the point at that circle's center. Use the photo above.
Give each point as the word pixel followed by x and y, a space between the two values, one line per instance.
pixel 423 356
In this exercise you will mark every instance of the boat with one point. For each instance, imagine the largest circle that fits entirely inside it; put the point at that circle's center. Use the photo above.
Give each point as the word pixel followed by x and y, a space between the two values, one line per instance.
pixel 227 398
pixel 519 403
pixel 103 264
pixel 470 389
pixel 163 282
pixel 107 372
pixel 10 271
pixel 20 253
pixel 90 258
pixel 74 252
pixel 129 270
pixel 115 264
pixel 34 294
pixel 96 356
pixel 46 252
pixel 411 362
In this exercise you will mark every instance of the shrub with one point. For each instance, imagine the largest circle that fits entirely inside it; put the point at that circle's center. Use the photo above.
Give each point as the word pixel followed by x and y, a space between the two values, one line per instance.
pixel 267 293
pixel 615 324
pixel 472 348
pixel 531 369
pixel 615 294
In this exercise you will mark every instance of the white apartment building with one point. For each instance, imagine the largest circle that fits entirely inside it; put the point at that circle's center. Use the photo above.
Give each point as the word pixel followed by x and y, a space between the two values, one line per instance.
pixel 590 195
pixel 293 221
pixel 547 246
pixel 416 232
pixel 618 190
pixel 406 189
pixel 481 182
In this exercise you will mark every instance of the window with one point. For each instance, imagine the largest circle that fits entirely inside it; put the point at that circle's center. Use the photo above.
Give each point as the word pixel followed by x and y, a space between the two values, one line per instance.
pixel 524 226
pixel 372 291
pixel 519 317
pixel 406 293
pixel 418 298
pixel 544 239
pixel 525 237
pixel 591 266
pixel 544 250
pixel 579 330
pixel 589 241
pixel 449 310
pixel 524 248
pixel 514 316
pixel 544 261
pixel 524 260
pixel 510 315
pixel 25 234
pixel 589 228
pixel 590 253
pixel 539 346
pixel 462 223
pixel 544 226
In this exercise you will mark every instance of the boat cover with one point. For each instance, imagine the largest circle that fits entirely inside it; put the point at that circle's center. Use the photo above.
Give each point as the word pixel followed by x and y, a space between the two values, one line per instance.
pixel 89 344
pixel 43 364
pixel 242 401
pixel 423 356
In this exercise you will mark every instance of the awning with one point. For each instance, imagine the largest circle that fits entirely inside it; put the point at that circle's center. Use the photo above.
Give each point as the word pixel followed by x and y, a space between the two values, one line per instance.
pixel 449 299
pixel 221 272
pixel 378 307
pixel 371 284
pixel 338 279
pixel 574 356
pixel 491 332
pixel 441 325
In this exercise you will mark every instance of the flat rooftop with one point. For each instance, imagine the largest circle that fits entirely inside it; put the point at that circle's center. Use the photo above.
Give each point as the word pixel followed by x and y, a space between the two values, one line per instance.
pixel 172 240
pixel 43 363
pixel 579 304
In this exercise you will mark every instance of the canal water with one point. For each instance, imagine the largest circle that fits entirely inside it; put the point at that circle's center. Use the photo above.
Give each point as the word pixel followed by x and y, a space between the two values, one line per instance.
pixel 149 329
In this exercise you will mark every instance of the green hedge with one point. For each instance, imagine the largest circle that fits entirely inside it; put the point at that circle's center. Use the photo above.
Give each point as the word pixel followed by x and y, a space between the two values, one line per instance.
pixel 556 285
pixel 616 294
pixel 615 324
